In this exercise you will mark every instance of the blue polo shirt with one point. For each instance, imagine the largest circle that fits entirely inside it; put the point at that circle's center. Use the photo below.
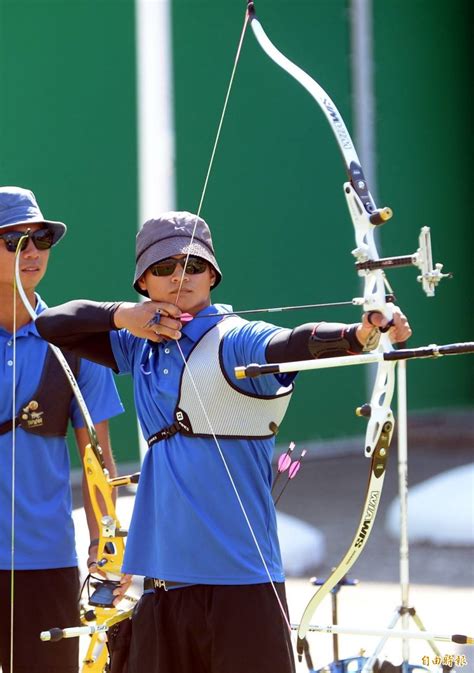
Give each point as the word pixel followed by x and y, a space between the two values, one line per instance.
pixel 44 530
pixel 187 524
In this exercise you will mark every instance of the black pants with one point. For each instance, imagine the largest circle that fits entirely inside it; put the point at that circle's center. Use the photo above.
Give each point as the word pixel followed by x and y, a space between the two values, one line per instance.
pixel 42 599
pixel 211 629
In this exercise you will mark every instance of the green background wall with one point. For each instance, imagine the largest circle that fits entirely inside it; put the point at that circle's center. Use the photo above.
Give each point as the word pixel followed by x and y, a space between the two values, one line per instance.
pixel 275 202
pixel 67 131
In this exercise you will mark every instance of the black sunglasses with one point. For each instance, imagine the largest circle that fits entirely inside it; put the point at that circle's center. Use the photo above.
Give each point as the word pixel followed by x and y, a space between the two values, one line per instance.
pixel 43 239
pixel 167 266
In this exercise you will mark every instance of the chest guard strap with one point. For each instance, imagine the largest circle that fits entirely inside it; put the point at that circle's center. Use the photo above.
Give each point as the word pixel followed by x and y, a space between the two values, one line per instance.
pixel 47 412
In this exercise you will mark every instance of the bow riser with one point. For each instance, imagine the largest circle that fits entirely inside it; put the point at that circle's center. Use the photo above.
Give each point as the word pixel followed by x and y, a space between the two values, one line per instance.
pixel 95 660
pixel 380 413
pixel 110 553
pixel 111 545
pixel 375 281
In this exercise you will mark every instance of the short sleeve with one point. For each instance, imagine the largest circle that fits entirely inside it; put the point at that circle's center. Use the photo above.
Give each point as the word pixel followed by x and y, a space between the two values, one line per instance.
pixel 100 394
pixel 246 345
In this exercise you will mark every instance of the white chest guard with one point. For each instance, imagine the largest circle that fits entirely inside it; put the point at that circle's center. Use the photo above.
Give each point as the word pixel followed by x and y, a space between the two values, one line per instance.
pixel 230 412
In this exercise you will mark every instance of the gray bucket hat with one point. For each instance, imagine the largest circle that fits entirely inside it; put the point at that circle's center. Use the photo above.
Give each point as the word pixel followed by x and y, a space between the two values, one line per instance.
pixel 172 234
pixel 19 206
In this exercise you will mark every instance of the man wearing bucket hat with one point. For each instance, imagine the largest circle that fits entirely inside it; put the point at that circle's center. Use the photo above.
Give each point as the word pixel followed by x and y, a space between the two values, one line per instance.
pixel 38 562
pixel 203 531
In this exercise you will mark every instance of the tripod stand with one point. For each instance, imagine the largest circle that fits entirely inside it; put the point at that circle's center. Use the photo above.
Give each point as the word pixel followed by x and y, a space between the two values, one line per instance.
pixel 404 612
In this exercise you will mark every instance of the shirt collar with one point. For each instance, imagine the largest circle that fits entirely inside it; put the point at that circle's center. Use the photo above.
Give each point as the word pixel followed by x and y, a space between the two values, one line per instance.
pixel 199 325
pixel 30 327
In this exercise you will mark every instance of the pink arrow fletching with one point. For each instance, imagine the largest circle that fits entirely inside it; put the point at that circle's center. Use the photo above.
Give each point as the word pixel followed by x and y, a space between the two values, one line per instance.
pixel 293 471
pixel 295 466
pixel 284 461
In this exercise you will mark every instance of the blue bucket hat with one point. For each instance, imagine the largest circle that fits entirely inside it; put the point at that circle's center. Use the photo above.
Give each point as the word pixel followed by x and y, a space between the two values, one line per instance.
pixel 19 206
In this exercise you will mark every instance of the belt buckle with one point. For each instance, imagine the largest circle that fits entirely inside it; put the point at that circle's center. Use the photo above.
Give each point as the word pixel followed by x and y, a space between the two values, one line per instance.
pixel 160 584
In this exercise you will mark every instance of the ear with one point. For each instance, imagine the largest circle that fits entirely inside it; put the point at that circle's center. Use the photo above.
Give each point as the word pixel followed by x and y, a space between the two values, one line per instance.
pixel 213 275
pixel 142 284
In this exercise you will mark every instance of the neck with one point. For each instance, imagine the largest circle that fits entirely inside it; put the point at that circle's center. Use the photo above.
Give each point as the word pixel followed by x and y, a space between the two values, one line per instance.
pixel 7 309
pixel 198 308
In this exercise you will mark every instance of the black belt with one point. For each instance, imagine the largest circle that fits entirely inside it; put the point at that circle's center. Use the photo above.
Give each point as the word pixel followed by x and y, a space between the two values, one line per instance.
pixel 153 583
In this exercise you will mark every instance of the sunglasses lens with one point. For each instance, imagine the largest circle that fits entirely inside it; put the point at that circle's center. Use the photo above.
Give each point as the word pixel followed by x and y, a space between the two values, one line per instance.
pixel 11 241
pixel 164 268
pixel 196 265
pixel 43 239
pixel 167 266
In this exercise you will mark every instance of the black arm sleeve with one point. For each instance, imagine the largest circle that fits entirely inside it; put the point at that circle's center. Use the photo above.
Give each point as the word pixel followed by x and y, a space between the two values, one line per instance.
pixel 81 327
pixel 313 340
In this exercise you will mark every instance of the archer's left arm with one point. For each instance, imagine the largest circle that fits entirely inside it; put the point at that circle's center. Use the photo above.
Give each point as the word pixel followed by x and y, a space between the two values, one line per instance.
pixel 324 339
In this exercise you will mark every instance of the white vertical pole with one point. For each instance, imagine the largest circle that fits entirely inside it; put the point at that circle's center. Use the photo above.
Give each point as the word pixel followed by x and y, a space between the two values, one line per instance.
pixel 156 171
pixel 403 496
pixel 155 133
pixel 363 102
pixel 363 96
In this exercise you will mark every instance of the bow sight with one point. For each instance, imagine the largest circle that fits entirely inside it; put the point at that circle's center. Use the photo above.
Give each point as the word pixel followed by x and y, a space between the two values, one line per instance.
pixel 430 276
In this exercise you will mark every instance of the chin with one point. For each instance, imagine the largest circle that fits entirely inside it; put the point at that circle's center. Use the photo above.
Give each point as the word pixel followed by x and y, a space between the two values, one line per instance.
pixel 30 280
